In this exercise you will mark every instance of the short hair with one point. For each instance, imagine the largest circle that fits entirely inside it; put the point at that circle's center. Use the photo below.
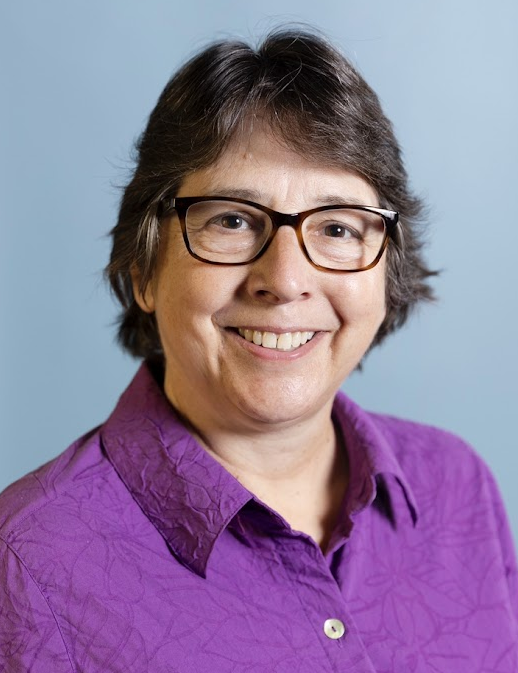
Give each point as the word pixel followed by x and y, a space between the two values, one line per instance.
pixel 316 103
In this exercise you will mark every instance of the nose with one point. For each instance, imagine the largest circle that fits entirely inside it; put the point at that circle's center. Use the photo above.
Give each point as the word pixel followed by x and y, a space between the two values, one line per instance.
pixel 282 274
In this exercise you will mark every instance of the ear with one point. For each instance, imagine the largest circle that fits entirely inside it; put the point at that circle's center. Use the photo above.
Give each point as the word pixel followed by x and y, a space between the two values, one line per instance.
pixel 144 298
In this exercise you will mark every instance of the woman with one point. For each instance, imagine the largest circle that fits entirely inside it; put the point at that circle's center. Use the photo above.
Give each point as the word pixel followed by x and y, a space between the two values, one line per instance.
pixel 237 512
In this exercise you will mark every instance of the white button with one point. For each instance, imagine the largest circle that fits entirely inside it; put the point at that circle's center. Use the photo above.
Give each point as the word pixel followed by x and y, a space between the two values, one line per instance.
pixel 334 628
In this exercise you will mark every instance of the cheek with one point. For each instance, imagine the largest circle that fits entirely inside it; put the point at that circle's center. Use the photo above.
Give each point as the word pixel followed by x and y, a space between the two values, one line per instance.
pixel 189 297
pixel 362 298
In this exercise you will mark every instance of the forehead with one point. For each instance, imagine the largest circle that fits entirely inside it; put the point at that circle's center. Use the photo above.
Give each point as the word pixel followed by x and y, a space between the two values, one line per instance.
pixel 261 168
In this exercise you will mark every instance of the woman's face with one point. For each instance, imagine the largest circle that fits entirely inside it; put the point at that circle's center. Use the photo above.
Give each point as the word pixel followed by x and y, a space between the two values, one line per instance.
pixel 213 374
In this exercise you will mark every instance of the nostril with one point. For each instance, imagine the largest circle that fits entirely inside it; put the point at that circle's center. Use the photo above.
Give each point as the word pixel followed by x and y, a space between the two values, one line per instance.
pixel 270 296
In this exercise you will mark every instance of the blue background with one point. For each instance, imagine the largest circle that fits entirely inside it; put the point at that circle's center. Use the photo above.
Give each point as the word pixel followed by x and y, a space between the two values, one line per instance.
pixel 78 80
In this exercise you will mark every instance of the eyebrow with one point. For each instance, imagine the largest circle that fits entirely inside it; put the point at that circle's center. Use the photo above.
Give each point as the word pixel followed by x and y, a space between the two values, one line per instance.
pixel 334 200
pixel 257 197
pixel 248 194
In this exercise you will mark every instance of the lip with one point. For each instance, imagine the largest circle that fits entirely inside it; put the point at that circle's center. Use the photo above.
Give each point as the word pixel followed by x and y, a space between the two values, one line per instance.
pixel 274 354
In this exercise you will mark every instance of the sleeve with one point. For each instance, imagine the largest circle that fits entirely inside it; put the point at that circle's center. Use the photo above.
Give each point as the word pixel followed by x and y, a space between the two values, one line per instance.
pixel 30 639
pixel 506 544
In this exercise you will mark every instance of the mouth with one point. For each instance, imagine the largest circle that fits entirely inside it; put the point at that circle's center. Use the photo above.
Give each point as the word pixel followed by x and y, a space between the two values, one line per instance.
pixel 287 341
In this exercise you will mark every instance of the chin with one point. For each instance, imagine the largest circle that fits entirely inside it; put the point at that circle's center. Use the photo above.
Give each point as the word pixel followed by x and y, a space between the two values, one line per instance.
pixel 280 406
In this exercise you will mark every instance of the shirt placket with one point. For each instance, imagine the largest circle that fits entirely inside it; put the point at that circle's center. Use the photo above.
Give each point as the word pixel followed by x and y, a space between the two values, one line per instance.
pixel 323 606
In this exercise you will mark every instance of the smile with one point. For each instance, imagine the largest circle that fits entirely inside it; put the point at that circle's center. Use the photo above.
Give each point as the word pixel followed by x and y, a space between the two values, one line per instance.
pixel 286 341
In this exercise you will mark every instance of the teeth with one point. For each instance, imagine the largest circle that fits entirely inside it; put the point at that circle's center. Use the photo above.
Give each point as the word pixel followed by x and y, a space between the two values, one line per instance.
pixel 287 341
pixel 269 340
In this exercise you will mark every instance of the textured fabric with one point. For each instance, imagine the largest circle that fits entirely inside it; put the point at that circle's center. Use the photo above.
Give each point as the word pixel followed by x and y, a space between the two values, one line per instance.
pixel 135 551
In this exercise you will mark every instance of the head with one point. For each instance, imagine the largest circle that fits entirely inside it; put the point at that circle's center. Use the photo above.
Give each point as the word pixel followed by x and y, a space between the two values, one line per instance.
pixel 316 104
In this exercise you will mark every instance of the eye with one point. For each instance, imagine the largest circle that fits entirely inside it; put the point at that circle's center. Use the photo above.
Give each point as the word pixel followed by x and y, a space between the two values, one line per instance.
pixel 225 218
pixel 232 221
pixel 336 230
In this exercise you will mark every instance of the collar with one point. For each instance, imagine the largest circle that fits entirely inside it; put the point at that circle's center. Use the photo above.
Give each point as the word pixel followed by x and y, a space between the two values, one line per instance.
pixel 167 472
pixel 375 472
pixel 188 496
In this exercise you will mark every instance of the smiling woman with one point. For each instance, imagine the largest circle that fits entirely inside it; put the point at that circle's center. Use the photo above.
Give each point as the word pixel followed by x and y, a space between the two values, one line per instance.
pixel 213 376
pixel 236 511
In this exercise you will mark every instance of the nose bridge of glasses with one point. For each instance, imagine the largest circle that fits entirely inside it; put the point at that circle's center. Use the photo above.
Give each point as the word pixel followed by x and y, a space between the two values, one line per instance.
pixel 285 219
pixel 294 221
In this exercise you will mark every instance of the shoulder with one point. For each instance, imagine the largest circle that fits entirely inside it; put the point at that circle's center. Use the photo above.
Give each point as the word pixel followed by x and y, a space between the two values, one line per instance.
pixel 455 492
pixel 432 457
pixel 42 523
pixel 442 470
pixel 419 448
pixel 431 445
pixel 68 477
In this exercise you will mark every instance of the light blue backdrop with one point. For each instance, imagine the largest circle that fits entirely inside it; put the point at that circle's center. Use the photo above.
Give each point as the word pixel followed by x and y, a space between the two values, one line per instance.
pixel 77 82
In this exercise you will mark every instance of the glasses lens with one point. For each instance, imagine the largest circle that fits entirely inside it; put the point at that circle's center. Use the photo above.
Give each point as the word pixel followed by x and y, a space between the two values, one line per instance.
pixel 226 231
pixel 345 239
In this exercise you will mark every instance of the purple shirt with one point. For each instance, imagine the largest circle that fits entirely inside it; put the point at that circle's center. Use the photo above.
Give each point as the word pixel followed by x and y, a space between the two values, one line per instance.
pixel 136 551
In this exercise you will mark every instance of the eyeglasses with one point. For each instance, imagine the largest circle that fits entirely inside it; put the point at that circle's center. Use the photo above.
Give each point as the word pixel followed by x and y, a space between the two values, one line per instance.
pixel 220 230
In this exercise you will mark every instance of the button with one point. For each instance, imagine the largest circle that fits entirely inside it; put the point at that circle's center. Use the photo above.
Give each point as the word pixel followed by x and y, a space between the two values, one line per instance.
pixel 334 628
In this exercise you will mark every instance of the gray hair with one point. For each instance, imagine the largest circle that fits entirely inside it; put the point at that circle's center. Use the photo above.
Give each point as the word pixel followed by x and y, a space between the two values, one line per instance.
pixel 316 103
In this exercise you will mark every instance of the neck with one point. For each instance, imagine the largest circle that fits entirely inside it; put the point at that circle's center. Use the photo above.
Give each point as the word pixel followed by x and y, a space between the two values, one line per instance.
pixel 299 471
